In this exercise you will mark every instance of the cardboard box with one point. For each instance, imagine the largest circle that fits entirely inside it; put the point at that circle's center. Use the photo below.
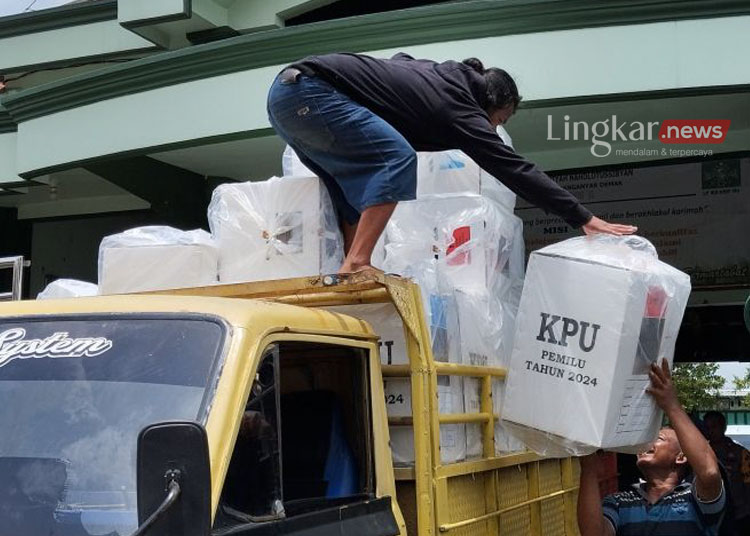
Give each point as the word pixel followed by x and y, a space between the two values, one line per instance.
pixel 155 258
pixel 468 247
pixel 595 312
pixel 466 237
pixel 453 172
pixel 275 229
pixel 387 323
pixel 67 288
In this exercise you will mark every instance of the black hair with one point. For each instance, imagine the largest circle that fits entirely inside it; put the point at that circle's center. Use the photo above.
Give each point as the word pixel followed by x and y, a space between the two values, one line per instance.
pixel 501 88
pixel 716 415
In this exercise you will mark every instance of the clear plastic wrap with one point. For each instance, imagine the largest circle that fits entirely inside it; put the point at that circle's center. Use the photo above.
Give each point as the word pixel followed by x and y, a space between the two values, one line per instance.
pixel 67 288
pixel 292 166
pixel 156 257
pixel 466 252
pixel 453 172
pixel 387 323
pixel 595 313
pixel 275 229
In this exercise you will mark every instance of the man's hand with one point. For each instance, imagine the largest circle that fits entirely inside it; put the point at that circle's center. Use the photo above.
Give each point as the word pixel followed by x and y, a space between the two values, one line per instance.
pixel 662 387
pixel 699 453
pixel 597 225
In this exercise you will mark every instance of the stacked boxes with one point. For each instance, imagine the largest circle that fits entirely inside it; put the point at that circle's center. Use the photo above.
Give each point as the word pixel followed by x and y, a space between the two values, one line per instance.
pixel 595 313
pixel 279 228
pixel 452 172
pixel 156 257
pixel 386 321
pixel 466 252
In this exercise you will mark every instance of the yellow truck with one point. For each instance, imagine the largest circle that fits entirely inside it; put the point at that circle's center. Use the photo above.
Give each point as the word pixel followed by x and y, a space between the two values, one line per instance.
pixel 246 409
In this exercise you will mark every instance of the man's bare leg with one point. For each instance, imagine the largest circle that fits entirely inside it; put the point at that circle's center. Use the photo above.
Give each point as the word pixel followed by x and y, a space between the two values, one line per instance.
pixel 349 230
pixel 366 234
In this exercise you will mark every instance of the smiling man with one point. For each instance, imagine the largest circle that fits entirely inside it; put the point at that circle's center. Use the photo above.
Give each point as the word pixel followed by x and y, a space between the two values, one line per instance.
pixel 667 503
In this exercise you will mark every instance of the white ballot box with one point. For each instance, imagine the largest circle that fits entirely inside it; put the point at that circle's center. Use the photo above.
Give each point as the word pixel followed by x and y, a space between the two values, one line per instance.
pixel 67 288
pixel 594 314
pixel 292 166
pixel 453 172
pixel 275 229
pixel 156 257
pixel 468 236
pixel 467 247
pixel 387 323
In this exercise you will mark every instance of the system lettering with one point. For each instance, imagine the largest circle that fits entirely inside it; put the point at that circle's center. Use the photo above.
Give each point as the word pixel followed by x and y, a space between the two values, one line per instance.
pixel 14 345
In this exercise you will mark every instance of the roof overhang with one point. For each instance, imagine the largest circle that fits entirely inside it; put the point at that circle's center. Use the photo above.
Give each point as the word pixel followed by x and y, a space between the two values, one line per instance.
pixel 203 107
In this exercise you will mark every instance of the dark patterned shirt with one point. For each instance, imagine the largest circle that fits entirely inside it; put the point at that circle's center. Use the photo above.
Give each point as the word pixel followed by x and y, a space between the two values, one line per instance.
pixel 677 513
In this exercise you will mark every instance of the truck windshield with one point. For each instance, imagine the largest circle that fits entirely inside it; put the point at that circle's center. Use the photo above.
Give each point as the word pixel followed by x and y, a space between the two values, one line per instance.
pixel 74 394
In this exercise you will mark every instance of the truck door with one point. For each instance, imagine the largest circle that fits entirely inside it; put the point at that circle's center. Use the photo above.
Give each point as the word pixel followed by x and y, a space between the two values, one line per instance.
pixel 303 456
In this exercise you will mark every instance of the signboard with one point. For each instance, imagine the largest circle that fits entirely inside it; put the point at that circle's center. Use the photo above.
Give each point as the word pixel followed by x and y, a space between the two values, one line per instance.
pixel 697 215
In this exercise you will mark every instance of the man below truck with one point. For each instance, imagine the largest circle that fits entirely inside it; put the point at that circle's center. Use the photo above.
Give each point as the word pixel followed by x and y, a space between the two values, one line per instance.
pixel 667 503
pixel 736 461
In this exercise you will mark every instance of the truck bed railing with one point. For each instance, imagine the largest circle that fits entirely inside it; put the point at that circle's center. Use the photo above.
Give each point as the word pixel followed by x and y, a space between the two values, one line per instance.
pixel 16 286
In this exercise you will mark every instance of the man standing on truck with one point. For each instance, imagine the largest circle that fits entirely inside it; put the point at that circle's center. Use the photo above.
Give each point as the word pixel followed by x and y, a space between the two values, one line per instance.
pixel 667 503
pixel 356 122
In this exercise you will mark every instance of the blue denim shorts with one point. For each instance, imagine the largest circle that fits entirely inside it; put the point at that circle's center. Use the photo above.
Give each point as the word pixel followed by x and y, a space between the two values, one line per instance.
pixel 362 159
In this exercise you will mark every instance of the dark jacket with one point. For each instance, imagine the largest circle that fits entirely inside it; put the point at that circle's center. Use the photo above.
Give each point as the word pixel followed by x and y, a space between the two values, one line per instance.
pixel 440 106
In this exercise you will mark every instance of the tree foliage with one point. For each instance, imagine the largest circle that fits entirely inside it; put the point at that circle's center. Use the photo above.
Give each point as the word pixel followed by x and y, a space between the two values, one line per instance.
pixel 697 385
pixel 743 383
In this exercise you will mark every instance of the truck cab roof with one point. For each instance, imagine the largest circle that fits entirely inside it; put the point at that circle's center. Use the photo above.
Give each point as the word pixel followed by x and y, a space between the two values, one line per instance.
pixel 256 314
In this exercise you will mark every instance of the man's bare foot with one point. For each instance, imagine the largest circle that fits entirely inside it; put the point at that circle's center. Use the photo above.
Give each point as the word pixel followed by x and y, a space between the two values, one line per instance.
pixel 352 268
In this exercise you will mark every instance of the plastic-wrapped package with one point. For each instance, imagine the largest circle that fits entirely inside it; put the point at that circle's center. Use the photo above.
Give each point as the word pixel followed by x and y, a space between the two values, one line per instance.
pixel 386 321
pixel 487 326
pixel 453 172
pixel 67 288
pixel 595 313
pixel 509 292
pixel 292 166
pixel 275 229
pixel 467 235
pixel 377 259
pixel 156 257
pixel 468 251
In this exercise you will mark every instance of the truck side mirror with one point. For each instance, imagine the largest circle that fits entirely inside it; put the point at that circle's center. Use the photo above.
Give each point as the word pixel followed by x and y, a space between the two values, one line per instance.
pixel 174 480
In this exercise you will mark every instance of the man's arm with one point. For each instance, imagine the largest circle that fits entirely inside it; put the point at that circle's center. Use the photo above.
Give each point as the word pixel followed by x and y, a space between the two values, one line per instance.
pixel 699 453
pixel 591 520
pixel 471 132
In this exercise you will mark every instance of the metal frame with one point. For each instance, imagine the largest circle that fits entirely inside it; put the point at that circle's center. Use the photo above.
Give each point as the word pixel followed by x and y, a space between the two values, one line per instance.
pixel 16 264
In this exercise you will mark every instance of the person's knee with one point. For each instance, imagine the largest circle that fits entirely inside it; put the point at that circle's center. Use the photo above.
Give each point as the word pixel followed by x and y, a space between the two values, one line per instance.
pixel 410 156
pixel 407 159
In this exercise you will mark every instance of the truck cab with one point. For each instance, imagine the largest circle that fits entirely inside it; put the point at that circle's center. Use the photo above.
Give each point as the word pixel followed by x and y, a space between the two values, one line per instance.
pixel 287 398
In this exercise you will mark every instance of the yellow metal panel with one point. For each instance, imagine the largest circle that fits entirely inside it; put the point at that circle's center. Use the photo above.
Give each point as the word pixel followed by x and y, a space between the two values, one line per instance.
pixel 534 509
pixel 570 499
pixel 551 510
pixel 466 500
pixel 550 479
pixel 485 464
pixel 513 488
